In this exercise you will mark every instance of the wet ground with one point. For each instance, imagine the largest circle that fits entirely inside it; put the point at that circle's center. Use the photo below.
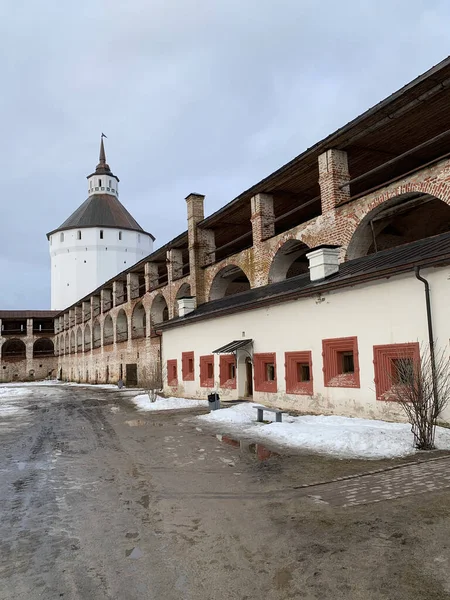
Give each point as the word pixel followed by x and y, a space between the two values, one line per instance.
pixel 101 502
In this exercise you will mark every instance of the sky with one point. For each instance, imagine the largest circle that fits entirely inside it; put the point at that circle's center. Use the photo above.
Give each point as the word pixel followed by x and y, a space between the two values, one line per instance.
pixel 206 96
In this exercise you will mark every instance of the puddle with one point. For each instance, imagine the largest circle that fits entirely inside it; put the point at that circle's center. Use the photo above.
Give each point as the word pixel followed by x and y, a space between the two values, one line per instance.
pixel 259 450
pixel 137 423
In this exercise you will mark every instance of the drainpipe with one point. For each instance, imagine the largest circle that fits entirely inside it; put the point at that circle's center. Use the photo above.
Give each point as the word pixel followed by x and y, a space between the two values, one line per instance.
pixel 430 331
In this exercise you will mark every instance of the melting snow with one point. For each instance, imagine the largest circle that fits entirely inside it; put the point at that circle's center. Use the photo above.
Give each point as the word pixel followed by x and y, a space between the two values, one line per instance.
pixel 338 436
pixel 143 403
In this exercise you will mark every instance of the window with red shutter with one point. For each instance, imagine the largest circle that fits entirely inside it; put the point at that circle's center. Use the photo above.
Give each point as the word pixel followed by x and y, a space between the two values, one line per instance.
pixel 265 369
pixel 298 373
pixel 341 362
pixel 207 371
pixel 172 372
pixel 187 366
pixel 227 369
pixel 392 363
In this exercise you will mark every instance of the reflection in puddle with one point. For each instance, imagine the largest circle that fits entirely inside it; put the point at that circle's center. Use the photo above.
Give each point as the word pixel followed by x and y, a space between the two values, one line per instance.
pixel 136 423
pixel 260 451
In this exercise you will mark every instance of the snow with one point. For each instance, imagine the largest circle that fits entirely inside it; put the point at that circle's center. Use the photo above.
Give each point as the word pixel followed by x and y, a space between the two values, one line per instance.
pixel 143 403
pixel 57 382
pixel 342 437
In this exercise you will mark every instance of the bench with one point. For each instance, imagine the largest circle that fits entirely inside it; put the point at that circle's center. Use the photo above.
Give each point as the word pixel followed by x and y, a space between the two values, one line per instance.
pixel 278 413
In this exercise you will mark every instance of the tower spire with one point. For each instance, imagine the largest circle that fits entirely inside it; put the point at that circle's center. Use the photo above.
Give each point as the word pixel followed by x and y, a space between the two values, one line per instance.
pixel 102 166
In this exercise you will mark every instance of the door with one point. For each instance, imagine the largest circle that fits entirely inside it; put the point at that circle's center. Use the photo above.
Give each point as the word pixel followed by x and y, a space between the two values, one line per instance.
pixel 248 378
pixel 131 375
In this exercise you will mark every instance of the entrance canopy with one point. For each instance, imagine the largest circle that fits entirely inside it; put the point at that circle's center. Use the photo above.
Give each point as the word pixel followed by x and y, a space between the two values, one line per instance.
pixel 232 346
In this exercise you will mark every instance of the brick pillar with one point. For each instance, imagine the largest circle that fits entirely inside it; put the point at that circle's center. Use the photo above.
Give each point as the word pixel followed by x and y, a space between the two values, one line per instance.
pixel 118 292
pixel 133 285
pixel 333 172
pixel 263 228
pixel 263 218
pixel 78 317
pixel 106 296
pixel 201 246
pixel 151 276
pixel 174 264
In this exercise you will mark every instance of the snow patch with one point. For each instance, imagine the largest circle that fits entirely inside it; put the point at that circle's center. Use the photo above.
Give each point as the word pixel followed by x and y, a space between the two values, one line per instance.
pixel 143 403
pixel 342 437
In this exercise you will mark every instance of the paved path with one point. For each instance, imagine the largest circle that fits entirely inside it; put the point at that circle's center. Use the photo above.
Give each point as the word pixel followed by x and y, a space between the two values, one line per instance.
pixel 408 480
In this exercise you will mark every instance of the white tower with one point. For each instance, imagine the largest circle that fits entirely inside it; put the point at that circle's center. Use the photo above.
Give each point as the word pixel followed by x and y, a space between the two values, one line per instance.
pixel 98 241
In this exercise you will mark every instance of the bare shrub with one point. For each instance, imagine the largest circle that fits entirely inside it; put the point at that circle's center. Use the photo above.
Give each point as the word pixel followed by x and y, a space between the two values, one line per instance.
pixel 153 382
pixel 422 388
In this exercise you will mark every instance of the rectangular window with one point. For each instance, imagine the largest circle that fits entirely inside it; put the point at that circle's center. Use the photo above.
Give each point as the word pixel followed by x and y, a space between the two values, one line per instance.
pixel 227 371
pixel 139 238
pixel 100 183
pixel 61 237
pixel 78 235
pixel 298 366
pixel 187 365
pixel 341 362
pixel 101 234
pixel 120 235
pixel 265 368
pixel 207 371
pixel 394 365
pixel 172 372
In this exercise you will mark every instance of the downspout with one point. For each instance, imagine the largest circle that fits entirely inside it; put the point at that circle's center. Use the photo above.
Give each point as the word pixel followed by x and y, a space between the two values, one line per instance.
pixel 430 331
pixel 159 334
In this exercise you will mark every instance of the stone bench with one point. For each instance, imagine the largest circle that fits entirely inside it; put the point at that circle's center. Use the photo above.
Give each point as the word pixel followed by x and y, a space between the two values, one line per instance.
pixel 278 413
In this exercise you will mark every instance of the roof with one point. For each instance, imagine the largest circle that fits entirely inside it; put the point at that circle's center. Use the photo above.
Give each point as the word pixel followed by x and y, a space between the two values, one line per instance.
pixel 427 252
pixel 28 314
pixel 232 346
pixel 101 210
pixel 385 131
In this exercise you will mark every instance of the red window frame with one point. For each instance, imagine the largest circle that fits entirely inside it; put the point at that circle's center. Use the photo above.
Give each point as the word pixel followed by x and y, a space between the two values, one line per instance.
pixel 224 371
pixel 172 372
pixel 205 379
pixel 292 360
pixel 188 374
pixel 383 357
pixel 333 375
pixel 260 362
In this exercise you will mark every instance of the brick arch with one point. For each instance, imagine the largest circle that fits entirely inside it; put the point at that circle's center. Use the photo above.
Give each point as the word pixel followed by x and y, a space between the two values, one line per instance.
pixel 227 281
pixel 182 291
pixel 355 222
pixel 159 309
pixel 288 254
pixel 243 260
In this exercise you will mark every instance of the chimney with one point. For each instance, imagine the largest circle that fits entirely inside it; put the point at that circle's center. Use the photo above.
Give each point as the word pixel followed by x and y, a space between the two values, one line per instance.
pixel 186 305
pixel 323 262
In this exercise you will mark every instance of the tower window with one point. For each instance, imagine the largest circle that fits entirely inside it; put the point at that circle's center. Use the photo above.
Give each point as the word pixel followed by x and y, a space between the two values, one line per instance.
pixel 78 235
pixel 120 235
pixel 61 237
pixel 110 183
pixel 139 238
pixel 100 183
pixel 101 234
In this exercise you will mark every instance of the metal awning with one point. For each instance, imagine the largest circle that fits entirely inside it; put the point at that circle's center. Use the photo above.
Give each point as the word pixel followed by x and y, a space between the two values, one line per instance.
pixel 232 346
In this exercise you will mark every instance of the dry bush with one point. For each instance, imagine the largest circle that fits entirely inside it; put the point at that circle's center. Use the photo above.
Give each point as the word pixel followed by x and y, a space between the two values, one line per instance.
pixel 422 388
pixel 153 382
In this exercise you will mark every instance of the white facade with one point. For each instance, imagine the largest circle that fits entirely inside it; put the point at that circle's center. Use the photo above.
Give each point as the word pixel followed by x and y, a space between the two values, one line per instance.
pixel 387 311
pixel 83 259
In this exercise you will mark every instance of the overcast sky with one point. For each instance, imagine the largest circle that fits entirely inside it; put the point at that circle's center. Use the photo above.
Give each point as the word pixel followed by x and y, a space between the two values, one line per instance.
pixel 207 96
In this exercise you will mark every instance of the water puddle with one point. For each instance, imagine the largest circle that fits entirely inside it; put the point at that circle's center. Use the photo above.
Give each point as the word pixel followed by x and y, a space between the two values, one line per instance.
pixel 259 450
pixel 137 423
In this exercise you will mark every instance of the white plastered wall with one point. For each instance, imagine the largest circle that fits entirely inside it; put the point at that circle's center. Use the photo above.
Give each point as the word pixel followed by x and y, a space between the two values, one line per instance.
pixel 79 266
pixel 386 311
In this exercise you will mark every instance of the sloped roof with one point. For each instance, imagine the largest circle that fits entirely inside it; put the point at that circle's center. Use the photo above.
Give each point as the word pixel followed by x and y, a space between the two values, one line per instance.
pixel 101 210
pixel 430 251
pixel 28 314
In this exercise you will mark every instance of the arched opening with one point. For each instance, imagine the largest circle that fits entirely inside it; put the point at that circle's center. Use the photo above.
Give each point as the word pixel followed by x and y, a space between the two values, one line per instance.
pixel 13 350
pixel 289 261
pixel 43 347
pixel 159 311
pixel 121 326
pixel 229 281
pixel 138 322
pixel 79 340
pixel 72 342
pixel 184 291
pixel 66 344
pixel 403 219
pixel 108 330
pixel 97 335
pixel 87 338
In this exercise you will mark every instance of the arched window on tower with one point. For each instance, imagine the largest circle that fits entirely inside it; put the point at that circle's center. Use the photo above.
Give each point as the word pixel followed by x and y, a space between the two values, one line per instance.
pixel 99 183
pixel 101 234
pixel 61 237
pixel 120 235
pixel 78 235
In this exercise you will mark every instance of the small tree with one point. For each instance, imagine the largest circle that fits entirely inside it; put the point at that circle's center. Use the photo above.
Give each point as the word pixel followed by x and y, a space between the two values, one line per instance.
pixel 422 388
pixel 153 382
